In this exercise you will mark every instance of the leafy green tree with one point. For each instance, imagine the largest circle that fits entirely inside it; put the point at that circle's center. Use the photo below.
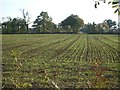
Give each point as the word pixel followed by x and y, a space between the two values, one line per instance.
pixel 107 26
pixel 51 27
pixel 6 25
pixel 43 23
pixel 72 23
pixel 110 23
pixel 15 25
pixel 99 29
pixel 95 28
pixel 90 28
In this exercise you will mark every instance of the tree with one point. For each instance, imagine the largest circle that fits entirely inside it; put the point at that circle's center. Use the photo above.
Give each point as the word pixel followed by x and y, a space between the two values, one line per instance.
pixel 115 4
pixel 110 23
pixel 6 25
pixel 95 28
pixel 43 23
pixel 26 17
pixel 15 25
pixel 72 23
pixel 90 28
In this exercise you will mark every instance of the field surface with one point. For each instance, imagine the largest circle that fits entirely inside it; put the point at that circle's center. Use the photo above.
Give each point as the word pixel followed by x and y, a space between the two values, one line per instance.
pixel 60 61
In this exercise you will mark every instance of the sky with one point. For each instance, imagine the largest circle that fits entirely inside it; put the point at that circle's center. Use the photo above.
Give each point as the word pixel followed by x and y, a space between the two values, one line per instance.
pixel 58 9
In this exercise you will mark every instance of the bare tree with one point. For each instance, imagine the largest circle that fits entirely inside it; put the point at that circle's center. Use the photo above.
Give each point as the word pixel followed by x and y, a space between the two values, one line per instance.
pixel 26 17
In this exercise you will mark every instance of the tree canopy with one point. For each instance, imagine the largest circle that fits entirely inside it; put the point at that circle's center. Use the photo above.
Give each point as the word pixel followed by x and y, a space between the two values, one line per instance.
pixel 107 26
pixel 15 25
pixel 72 23
pixel 43 23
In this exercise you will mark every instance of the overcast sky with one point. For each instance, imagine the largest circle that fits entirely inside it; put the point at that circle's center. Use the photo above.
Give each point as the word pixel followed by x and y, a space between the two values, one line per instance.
pixel 58 9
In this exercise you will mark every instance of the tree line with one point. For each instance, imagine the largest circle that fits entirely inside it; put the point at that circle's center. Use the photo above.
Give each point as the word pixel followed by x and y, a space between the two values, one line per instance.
pixel 43 24
pixel 107 26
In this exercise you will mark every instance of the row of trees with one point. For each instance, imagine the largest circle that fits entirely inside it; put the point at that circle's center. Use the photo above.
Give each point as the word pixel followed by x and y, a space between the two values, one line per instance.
pixel 15 25
pixel 107 26
pixel 43 24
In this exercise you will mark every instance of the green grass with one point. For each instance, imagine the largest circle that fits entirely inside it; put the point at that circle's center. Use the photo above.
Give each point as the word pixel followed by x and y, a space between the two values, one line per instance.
pixel 60 61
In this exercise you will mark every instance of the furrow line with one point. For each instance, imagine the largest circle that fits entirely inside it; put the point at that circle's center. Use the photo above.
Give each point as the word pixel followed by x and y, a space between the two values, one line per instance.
pixel 43 49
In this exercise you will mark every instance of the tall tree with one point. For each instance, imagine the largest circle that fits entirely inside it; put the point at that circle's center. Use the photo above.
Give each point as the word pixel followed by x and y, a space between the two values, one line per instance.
pixel 73 22
pixel 15 25
pixel 110 23
pixel 26 17
pixel 43 23
pixel 6 25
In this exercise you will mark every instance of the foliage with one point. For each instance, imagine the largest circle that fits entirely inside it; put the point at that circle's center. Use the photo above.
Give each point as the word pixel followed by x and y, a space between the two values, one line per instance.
pixel 44 23
pixel 15 25
pixel 26 17
pixel 115 4
pixel 110 23
pixel 17 65
pixel 72 23
pixel 108 26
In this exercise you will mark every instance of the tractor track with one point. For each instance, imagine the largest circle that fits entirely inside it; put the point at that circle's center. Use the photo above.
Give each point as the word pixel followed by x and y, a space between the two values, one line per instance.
pixel 44 48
